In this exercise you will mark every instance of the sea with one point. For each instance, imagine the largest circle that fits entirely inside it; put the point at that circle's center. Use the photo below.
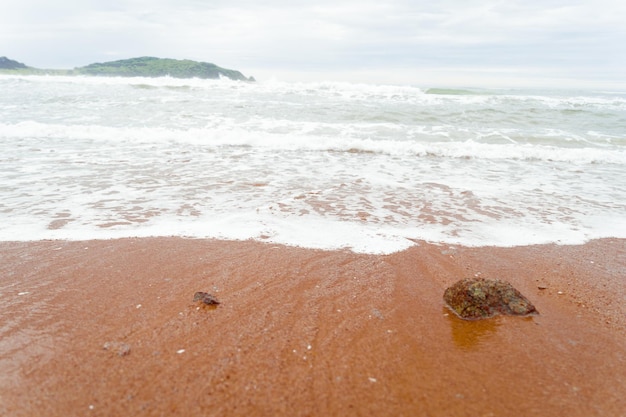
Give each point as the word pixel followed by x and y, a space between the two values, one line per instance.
pixel 327 165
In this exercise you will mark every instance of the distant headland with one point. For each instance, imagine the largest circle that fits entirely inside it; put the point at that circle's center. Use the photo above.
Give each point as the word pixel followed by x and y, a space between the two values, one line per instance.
pixel 133 67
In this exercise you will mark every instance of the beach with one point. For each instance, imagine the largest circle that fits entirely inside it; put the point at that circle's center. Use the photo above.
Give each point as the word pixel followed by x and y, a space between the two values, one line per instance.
pixel 327 218
pixel 110 328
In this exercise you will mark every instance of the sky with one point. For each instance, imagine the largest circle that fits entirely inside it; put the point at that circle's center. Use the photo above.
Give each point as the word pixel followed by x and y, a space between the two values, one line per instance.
pixel 490 43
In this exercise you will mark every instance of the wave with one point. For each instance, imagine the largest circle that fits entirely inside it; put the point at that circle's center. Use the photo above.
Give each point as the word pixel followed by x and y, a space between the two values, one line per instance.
pixel 138 82
pixel 229 134
pixel 346 91
pixel 453 92
pixel 509 100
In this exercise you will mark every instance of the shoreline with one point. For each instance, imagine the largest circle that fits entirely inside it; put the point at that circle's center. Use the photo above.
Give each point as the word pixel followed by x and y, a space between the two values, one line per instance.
pixel 305 332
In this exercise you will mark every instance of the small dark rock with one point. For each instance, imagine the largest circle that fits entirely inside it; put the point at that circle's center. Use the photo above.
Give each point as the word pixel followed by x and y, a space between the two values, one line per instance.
pixel 479 298
pixel 206 298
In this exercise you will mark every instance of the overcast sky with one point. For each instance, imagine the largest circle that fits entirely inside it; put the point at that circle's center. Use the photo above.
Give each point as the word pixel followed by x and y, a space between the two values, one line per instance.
pixel 453 42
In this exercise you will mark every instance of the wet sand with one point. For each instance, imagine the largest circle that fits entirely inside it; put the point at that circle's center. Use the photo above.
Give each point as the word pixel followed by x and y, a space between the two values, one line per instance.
pixel 305 333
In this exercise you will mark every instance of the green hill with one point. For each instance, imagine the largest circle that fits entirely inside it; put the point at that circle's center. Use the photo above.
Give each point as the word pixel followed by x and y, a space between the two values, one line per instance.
pixel 135 67
pixel 160 67
pixel 6 63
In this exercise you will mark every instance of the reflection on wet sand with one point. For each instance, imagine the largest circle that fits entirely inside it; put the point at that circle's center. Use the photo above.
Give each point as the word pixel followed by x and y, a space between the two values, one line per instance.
pixel 471 334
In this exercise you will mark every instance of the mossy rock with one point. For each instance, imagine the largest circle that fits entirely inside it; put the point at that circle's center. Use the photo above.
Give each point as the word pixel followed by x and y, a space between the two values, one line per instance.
pixel 479 298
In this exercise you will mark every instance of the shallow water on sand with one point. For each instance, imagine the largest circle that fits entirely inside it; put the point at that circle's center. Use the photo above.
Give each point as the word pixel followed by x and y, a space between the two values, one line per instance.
pixel 324 165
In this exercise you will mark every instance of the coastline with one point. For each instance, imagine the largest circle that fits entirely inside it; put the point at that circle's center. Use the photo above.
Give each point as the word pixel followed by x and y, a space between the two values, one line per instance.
pixel 306 332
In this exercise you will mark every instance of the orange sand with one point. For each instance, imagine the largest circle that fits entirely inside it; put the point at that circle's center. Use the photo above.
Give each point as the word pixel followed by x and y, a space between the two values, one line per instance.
pixel 306 333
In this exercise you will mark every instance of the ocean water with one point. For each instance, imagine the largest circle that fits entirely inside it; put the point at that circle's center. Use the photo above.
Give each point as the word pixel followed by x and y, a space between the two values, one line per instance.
pixel 373 168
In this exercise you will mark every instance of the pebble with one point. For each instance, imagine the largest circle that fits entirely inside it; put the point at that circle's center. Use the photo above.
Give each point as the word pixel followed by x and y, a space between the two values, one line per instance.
pixel 119 348
pixel 206 298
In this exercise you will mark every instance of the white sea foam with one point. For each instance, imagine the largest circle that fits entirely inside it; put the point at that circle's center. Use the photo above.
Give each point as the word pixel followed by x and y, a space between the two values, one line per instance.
pixel 272 136
pixel 324 165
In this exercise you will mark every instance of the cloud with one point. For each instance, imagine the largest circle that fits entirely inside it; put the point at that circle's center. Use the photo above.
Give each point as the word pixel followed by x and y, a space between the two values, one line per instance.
pixel 324 35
